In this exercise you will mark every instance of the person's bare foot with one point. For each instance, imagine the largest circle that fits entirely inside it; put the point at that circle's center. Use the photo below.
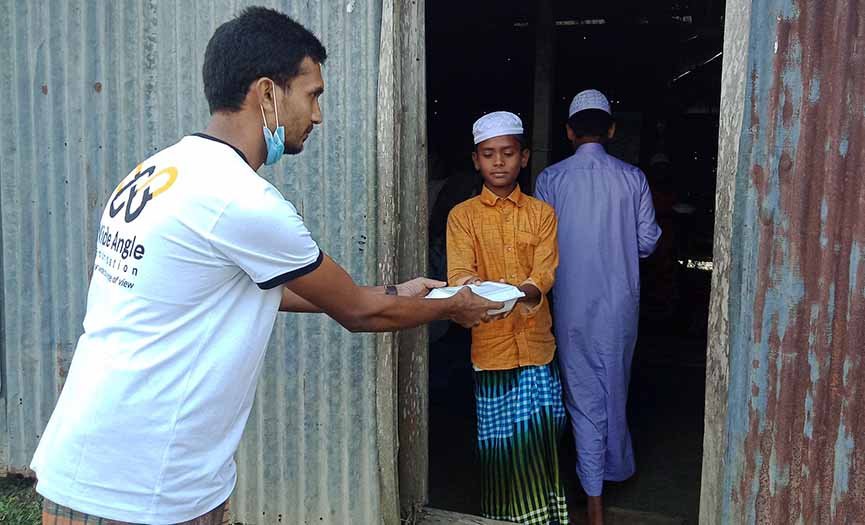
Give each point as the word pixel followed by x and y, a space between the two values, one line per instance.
pixel 596 510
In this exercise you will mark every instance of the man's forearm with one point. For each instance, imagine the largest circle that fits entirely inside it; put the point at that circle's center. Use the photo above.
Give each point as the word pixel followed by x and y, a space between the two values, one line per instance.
pixel 386 313
pixel 291 302
pixel 330 288
pixel 383 313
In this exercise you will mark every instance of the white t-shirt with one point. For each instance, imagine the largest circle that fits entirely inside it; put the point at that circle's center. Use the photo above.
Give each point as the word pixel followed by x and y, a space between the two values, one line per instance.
pixel 192 249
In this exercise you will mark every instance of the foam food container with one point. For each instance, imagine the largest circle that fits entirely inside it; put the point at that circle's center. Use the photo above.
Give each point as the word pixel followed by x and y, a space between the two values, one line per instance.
pixel 498 292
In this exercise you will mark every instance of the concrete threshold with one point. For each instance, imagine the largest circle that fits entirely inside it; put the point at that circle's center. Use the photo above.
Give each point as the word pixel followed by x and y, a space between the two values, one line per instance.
pixel 428 516
pixel 613 516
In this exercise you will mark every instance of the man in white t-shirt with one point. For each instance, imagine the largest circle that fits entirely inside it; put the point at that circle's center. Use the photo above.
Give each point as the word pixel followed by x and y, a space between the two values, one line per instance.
pixel 196 253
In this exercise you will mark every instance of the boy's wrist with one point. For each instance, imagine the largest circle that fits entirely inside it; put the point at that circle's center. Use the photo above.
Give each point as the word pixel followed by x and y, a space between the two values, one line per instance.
pixel 532 293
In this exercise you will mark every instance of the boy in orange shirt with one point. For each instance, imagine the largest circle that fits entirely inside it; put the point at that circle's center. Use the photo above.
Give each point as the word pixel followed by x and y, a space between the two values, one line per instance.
pixel 505 235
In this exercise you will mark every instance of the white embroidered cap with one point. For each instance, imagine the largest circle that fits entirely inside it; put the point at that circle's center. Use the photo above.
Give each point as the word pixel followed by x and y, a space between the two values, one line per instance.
pixel 496 124
pixel 589 99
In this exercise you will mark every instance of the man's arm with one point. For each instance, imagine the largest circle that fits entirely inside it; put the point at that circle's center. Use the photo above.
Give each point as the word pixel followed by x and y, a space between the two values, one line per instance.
pixel 359 309
pixel 263 234
pixel 648 231
pixel 419 287
pixel 291 302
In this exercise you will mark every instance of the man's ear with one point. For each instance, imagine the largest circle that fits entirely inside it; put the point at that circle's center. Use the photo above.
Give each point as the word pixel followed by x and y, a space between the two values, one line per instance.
pixel 475 160
pixel 612 131
pixel 261 93
pixel 571 135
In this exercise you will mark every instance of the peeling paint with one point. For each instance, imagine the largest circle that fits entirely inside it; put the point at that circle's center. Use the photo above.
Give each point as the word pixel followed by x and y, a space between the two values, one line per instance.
pixel 814 91
pixel 797 293
pixel 824 214
pixel 844 447
pixel 848 365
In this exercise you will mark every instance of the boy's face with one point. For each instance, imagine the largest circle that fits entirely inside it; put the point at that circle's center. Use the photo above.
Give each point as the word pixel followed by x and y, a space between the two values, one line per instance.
pixel 499 160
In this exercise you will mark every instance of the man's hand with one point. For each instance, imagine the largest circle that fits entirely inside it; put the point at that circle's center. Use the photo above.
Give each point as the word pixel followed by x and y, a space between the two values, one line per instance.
pixel 471 309
pixel 418 287
pixel 478 280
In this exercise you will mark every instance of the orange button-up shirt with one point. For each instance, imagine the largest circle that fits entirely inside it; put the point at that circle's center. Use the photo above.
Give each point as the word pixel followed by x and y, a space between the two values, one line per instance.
pixel 513 239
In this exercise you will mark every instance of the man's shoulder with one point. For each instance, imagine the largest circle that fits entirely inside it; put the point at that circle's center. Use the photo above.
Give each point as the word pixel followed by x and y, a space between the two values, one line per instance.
pixel 211 164
pixel 632 172
pixel 621 164
pixel 229 173
pixel 554 169
pixel 221 161
pixel 604 161
pixel 221 178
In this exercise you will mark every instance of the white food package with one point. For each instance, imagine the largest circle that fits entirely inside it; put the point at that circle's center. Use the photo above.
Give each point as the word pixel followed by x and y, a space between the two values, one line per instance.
pixel 498 292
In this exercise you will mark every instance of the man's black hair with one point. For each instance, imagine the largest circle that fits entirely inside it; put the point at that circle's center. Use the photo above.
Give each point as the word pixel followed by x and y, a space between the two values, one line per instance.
pixel 590 123
pixel 521 138
pixel 260 42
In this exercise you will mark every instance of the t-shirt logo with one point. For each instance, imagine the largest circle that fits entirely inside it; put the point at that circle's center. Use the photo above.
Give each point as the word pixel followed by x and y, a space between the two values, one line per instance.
pixel 139 188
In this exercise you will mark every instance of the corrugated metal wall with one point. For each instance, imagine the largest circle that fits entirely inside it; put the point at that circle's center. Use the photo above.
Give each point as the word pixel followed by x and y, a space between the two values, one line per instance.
pixel 795 433
pixel 87 89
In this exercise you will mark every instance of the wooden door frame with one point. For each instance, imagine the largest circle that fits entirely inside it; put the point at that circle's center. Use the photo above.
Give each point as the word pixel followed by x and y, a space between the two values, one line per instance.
pixel 405 134
pixel 402 388
pixel 733 92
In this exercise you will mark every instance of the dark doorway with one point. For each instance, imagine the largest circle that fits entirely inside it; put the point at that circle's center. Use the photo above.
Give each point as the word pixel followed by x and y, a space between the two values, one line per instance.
pixel 659 63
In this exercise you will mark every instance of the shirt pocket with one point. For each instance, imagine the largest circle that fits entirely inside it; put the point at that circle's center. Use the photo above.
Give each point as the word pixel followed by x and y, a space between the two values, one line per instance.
pixel 526 244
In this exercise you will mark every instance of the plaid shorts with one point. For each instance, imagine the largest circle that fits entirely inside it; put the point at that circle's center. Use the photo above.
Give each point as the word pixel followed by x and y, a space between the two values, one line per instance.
pixel 54 514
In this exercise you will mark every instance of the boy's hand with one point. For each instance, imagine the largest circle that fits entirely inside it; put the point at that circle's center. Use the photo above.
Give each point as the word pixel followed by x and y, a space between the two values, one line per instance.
pixel 532 297
pixel 418 287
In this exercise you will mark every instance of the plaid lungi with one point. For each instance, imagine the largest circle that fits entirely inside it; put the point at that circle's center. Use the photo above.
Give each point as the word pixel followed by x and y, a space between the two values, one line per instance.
pixel 54 514
pixel 520 420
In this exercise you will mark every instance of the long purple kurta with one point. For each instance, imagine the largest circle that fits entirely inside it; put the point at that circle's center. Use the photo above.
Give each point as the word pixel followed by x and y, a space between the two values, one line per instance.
pixel 606 224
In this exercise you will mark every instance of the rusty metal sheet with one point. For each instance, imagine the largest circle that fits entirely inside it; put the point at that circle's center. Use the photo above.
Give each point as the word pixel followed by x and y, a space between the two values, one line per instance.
pixel 795 429
pixel 87 89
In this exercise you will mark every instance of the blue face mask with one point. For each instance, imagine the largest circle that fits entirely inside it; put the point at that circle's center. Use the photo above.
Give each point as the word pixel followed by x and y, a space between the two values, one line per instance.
pixel 275 142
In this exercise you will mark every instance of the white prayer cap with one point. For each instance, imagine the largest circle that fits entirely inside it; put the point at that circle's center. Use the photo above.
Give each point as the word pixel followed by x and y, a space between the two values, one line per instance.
pixel 496 124
pixel 589 99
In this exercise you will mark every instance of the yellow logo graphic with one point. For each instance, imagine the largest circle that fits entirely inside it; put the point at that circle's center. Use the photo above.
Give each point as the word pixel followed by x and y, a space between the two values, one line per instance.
pixel 139 188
